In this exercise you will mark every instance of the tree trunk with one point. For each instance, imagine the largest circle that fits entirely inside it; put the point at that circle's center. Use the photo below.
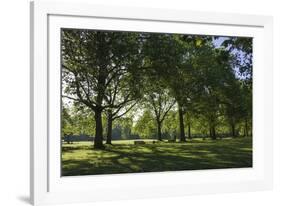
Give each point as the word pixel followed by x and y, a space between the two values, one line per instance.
pixel 109 127
pixel 189 131
pixel 182 134
pixel 98 144
pixel 213 133
pixel 159 133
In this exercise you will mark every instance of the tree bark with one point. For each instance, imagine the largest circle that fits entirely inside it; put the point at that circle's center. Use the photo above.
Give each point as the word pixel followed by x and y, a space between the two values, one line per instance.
pixel 159 133
pixel 98 144
pixel 109 127
pixel 182 134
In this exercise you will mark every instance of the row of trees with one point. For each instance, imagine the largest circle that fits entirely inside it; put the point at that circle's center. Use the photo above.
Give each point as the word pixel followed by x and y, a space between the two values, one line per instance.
pixel 109 73
pixel 82 125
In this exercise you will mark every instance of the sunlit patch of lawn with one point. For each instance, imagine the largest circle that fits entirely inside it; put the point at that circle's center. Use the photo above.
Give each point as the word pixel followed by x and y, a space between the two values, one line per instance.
pixel 80 158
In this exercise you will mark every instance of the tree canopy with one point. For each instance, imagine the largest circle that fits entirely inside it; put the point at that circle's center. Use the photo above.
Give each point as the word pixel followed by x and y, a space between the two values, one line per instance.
pixel 162 85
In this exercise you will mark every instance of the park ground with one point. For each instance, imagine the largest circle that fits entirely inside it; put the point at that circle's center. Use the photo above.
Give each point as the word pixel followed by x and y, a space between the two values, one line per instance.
pixel 123 156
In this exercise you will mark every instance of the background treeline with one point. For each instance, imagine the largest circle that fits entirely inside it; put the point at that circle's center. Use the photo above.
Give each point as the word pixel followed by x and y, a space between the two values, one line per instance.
pixel 127 85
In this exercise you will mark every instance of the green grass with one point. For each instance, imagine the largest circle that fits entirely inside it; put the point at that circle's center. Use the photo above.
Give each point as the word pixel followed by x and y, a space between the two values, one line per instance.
pixel 125 157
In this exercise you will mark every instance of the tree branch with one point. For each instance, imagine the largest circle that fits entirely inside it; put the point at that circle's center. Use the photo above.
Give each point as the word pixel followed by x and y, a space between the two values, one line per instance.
pixel 116 117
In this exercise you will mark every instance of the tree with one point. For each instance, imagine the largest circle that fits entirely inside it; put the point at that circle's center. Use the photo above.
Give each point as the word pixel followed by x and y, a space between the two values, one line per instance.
pixel 246 107
pixel 186 83
pixel 215 66
pixel 67 123
pixel 121 98
pixel 243 50
pixel 126 124
pixel 171 124
pixel 77 120
pixel 108 73
pixel 159 101
pixel 145 125
pixel 233 104
pixel 169 60
pixel 91 63
pixel 189 119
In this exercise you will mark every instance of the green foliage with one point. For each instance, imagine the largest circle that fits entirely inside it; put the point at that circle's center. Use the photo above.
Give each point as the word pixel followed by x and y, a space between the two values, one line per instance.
pixel 183 82
pixel 171 124
pixel 124 124
pixel 145 126
pixel 243 49
pixel 77 121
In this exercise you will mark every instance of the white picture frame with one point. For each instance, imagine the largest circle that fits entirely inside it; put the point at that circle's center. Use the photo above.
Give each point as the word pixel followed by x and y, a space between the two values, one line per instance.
pixel 47 186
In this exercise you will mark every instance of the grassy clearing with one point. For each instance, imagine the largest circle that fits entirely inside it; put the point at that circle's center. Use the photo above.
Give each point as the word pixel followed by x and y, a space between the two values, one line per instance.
pixel 125 157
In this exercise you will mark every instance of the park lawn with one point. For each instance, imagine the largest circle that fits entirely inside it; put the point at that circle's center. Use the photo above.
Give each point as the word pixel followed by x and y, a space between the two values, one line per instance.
pixel 80 158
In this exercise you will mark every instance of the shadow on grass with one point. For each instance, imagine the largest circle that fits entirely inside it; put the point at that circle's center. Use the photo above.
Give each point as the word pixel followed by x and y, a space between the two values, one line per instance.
pixel 229 153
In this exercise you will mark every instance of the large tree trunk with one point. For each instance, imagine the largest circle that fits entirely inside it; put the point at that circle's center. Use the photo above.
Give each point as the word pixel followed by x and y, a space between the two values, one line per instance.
pixel 182 134
pixel 98 144
pixel 99 136
pixel 109 127
pixel 159 133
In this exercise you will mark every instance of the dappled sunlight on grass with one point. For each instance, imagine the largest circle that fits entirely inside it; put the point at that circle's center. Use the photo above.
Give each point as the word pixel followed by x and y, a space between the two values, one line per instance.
pixel 125 157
